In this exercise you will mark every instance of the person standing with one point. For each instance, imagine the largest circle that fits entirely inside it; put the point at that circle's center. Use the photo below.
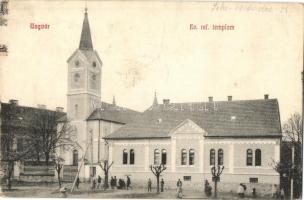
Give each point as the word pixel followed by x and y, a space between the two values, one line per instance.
pixel 282 194
pixel 162 184
pixel 274 191
pixel 240 191
pixel 179 185
pixel 115 182
pixel 77 182
pixel 99 182
pixel 149 185
pixel 128 182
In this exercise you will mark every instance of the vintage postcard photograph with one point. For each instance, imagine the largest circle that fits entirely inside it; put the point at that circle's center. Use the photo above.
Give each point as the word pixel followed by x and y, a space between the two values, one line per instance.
pixel 151 99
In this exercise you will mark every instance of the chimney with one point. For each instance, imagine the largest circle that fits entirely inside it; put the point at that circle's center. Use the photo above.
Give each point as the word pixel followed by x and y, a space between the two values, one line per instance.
pixel 166 101
pixel 229 98
pixel 210 99
pixel 59 109
pixel 13 102
pixel 266 96
pixel 41 106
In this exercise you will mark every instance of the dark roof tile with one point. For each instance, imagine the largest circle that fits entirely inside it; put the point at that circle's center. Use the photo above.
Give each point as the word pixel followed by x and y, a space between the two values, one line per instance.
pixel 246 118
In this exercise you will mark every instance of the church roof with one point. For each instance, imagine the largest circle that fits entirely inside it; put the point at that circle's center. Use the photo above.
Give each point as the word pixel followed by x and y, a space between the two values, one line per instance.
pixel 245 118
pixel 85 39
pixel 113 113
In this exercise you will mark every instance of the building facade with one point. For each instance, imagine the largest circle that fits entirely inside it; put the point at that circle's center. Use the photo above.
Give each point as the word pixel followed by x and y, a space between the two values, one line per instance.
pixel 244 136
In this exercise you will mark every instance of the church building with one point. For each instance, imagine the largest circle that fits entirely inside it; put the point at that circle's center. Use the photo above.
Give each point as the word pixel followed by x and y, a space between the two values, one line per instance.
pixel 189 138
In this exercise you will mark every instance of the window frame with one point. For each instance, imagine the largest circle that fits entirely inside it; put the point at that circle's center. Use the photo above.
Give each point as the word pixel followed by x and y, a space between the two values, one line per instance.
pixel 183 157
pixel 249 157
pixel 220 156
pixel 125 157
pixel 132 157
pixel 156 157
pixel 191 157
pixel 164 156
pixel 258 157
pixel 212 156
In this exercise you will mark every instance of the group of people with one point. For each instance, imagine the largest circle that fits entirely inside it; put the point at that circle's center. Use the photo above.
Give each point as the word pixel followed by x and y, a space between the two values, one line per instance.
pixel 121 183
pixel 96 183
pixel 162 184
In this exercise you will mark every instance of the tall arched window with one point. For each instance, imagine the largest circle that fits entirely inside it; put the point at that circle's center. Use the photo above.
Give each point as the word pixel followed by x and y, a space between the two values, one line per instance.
pixel 191 157
pixel 125 157
pixel 220 157
pixel 132 157
pixel 156 157
pixel 212 157
pixel 164 157
pixel 258 157
pixel 249 157
pixel 183 157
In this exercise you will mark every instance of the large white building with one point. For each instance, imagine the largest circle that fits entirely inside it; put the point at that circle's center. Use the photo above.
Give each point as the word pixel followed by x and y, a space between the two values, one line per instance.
pixel 244 136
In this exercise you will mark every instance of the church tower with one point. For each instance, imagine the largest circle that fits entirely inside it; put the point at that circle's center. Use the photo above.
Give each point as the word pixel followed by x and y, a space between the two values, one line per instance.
pixel 84 77
pixel 84 89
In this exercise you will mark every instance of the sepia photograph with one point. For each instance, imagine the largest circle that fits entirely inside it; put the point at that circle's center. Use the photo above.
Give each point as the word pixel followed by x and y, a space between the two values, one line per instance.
pixel 151 99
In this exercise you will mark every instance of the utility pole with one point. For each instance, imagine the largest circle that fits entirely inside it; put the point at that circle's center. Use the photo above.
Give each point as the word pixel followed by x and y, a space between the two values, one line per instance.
pixel 91 144
pixel 292 172
pixel 81 164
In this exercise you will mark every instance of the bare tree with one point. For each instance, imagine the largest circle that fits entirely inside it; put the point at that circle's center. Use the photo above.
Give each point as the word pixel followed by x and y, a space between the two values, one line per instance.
pixel 105 166
pixel 216 174
pixel 292 139
pixel 292 129
pixel 47 134
pixel 58 164
pixel 157 170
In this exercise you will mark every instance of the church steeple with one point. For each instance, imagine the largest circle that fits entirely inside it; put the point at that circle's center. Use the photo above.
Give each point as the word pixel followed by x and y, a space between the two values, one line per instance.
pixel 85 39
pixel 155 102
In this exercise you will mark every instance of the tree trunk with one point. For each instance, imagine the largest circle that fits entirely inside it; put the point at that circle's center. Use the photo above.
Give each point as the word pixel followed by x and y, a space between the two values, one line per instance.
pixel 58 175
pixel 47 156
pixel 215 187
pixel 38 157
pixel 106 177
pixel 9 174
pixel 157 181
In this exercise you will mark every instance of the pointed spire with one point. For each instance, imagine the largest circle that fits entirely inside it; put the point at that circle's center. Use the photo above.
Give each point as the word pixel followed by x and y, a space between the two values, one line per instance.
pixel 155 102
pixel 85 39
pixel 114 101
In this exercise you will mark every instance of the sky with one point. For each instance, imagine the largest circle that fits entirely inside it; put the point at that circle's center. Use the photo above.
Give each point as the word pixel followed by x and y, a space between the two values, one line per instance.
pixel 148 46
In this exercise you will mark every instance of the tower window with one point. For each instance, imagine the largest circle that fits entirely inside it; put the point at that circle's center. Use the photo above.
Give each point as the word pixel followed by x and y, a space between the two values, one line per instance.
pixel 76 77
pixel 94 64
pixel 76 110
pixel 77 62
